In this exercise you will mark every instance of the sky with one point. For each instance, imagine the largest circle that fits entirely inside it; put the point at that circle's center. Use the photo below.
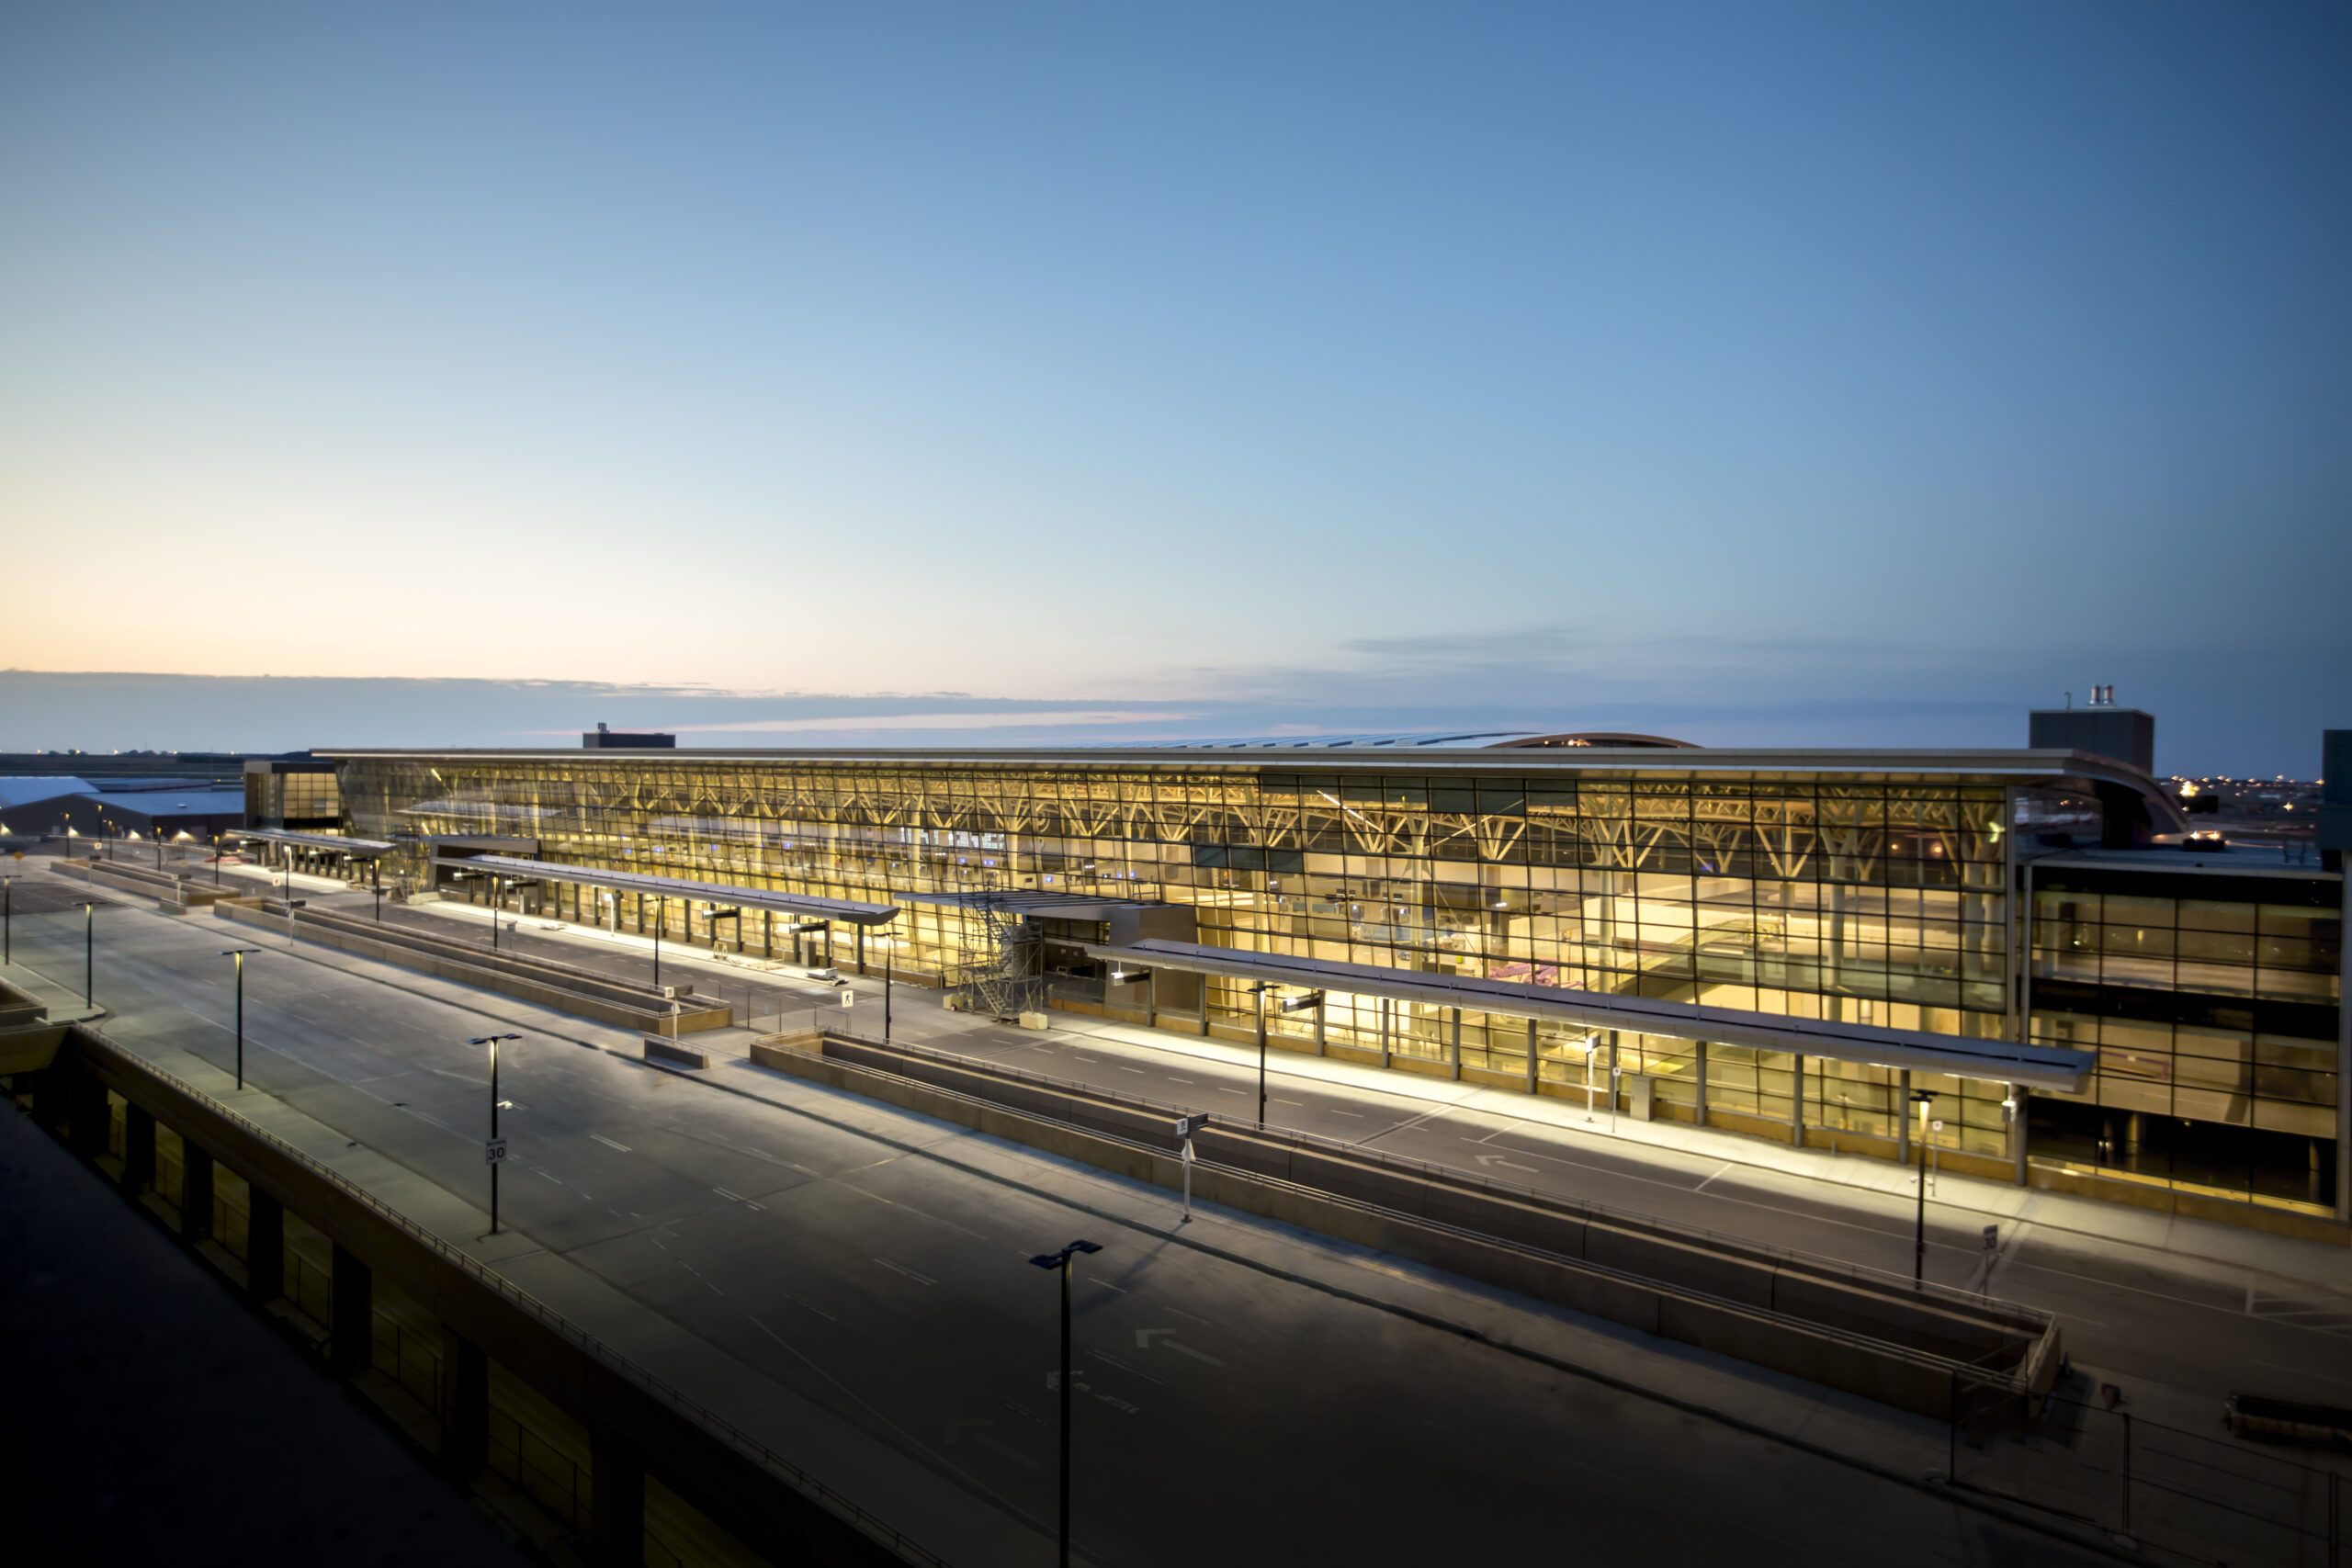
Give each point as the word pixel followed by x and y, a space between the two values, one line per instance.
pixel 1761 374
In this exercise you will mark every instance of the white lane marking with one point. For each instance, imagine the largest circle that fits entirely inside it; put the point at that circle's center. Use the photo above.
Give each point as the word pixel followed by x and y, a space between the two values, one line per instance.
pixel 557 1180
pixel 610 1145
pixel 1356 1115
pixel 1132 1371
pixel 1173 1078
pixel 1153 1339
pixel 899 1268
pixel 813 1306
pixel 731 1197
pixel 1137 1071
pixel 2302 1372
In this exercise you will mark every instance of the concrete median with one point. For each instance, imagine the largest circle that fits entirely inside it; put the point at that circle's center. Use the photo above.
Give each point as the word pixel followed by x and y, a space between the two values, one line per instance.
pixel 1880 1337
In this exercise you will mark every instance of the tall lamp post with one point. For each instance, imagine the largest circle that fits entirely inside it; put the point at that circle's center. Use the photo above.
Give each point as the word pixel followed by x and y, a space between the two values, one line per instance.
pixel 1060 1261
pixel 1922 1098
pixel 493 1153
pixel 1259 991
pixel 239 954
pixel 7 919
pixel 89 961
pixel 661 916
pixel 889 943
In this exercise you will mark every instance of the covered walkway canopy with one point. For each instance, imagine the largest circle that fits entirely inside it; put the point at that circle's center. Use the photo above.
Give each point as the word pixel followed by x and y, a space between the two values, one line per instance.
pixel 847 911
pixel 1999 1061
pixel 331 844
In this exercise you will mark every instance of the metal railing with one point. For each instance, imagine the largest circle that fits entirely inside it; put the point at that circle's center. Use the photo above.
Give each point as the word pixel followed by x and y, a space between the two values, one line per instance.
pixel 409 1359
pixel 784 1470
pixel 2208 1498
pixel 552 1480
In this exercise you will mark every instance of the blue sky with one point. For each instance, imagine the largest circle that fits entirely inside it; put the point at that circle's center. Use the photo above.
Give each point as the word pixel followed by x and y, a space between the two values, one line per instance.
pixel 1790 374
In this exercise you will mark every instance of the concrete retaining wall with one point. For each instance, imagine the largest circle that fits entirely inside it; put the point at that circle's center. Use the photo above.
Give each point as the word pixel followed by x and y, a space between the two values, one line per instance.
pixel 724 1475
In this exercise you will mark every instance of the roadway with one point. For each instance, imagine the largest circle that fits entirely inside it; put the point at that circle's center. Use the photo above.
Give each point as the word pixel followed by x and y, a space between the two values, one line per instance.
pixel 2178 1314
pixel 875 1264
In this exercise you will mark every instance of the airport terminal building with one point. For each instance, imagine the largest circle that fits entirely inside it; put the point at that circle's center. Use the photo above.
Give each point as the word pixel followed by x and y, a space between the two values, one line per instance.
pixel 1780 943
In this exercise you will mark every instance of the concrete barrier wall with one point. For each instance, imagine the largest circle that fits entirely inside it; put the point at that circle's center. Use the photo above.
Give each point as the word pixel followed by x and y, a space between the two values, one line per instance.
pixel 565 976
pixel 481 976
pixel 1747 1327
pixel 17 1009
pixel 159 885
pixel 1715 1266
pixel 692 1455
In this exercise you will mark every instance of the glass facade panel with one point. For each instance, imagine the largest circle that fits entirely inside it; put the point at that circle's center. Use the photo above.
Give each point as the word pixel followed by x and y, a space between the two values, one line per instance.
pixel 1844 897
pixel 2204 1010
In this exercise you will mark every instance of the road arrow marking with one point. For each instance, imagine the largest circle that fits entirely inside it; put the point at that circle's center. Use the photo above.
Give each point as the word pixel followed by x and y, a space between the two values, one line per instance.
pixel 1497 1159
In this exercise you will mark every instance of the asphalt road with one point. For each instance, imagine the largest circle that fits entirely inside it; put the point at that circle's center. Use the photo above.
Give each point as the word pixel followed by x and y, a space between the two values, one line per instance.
pixel 2189 1324
pixel 2192 1330
pixel 1224 1410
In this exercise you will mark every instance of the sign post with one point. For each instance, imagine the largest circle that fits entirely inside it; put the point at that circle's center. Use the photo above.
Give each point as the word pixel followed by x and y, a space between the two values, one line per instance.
pixel 1186 1127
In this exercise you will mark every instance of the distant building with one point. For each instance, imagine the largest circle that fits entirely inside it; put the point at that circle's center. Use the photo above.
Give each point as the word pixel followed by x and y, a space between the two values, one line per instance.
pixel 602 738
pixel 2127 735
pixel 296 794
pixel 64 804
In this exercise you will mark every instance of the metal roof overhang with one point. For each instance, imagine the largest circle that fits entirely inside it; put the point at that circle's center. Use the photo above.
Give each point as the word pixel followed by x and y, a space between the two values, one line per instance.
pixel 1999 1061
pixel 846 910
pixel 366 849
pixel 1025 902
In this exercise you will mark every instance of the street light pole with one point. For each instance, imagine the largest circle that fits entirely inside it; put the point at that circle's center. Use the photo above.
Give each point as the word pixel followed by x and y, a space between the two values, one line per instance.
pixel 1259 991
pixel 493 1153
pixel 7 919
pixel 239 954
pixel 886 992
pixel 660 915
pixel 89 961
pixel 1060 1262
pixel 1922 1098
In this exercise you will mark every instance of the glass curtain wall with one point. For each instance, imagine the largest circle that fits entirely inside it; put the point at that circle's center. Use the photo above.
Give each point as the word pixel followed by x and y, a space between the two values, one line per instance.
pixel 2207 1000
pixel 1841 898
